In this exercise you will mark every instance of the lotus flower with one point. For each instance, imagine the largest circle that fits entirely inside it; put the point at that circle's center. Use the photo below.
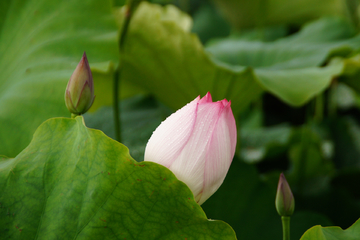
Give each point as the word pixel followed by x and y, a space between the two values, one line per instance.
pixel 79 94
pixel 197 143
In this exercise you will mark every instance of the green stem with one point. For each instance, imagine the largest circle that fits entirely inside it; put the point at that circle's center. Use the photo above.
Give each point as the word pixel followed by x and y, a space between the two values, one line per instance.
pixel 319 108
pixel 125 26
pixel 116 109
pixel 352 6
pixel 332 105
pixel 286 227
pixel 74 115
pixel 117 74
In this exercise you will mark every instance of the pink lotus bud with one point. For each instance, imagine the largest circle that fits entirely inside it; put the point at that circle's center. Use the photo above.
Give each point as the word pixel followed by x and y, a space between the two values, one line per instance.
pixel 79 94
pixel 285 203
pixel 197 143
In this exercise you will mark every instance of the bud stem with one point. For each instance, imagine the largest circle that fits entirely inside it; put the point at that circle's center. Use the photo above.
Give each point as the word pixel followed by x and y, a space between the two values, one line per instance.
pixel 73 115
pixel 116 109
pixel 117 122
pixel 286 227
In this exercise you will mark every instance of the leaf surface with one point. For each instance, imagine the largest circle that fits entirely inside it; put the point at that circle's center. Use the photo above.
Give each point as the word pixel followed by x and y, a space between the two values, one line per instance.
pixel 292 68
pixel 170 62
pixel 162 56
pixel 72 182
pixel 333 233
pixel 244 14
pixel 41 43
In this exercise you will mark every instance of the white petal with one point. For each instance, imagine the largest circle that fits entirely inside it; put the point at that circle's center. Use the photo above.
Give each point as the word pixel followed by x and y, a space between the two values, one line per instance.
pixel 220 154
pixel 190 165
pixel 170 137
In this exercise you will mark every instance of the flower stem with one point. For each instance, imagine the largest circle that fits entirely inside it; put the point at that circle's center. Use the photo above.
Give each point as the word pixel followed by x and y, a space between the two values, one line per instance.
pixel 332 105
pixel 319 108
pixel 116 109
pixel 117 75
pixel 286 227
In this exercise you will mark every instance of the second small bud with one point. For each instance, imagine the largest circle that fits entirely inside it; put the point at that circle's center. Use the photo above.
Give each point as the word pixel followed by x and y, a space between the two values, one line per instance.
pixel 285 203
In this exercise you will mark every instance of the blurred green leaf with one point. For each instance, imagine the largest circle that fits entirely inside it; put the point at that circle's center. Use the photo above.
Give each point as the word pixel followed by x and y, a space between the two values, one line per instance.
pixel 345 96
pixel 162 56
pixel 310 47
pixel 140 116
pixel 72 182
pixel 257 143
pixel 41 43
pixel 244 14
pixel 103 85
pixel 267 34
pixel 290 68
pixel 119 2
pixel 209 24
pixel 297 86
pixel 310 172
pixel 168 61
pixel 333 233
pixel 351 74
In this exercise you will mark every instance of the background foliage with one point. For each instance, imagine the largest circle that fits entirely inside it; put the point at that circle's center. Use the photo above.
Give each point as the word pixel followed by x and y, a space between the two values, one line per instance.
pixel 290 68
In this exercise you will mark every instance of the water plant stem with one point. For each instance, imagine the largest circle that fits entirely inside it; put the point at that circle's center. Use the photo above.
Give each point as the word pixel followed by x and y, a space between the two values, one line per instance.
pixel 117 74
pixel 319 108
pixel 286 227
pixel 332 104
pixel 116 108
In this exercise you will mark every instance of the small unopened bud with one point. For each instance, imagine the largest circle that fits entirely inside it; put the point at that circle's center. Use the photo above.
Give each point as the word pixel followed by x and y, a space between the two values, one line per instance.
pixel 79 94
pixel 285 202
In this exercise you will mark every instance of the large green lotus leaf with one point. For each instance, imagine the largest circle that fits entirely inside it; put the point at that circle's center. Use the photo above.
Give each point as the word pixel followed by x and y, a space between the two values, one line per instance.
pixel 333 233
pixel 297 86
pixel 310 47
pixel 73 182
pixel 290 67
pixel 161 55
pixel 242 13
pixel 41 42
